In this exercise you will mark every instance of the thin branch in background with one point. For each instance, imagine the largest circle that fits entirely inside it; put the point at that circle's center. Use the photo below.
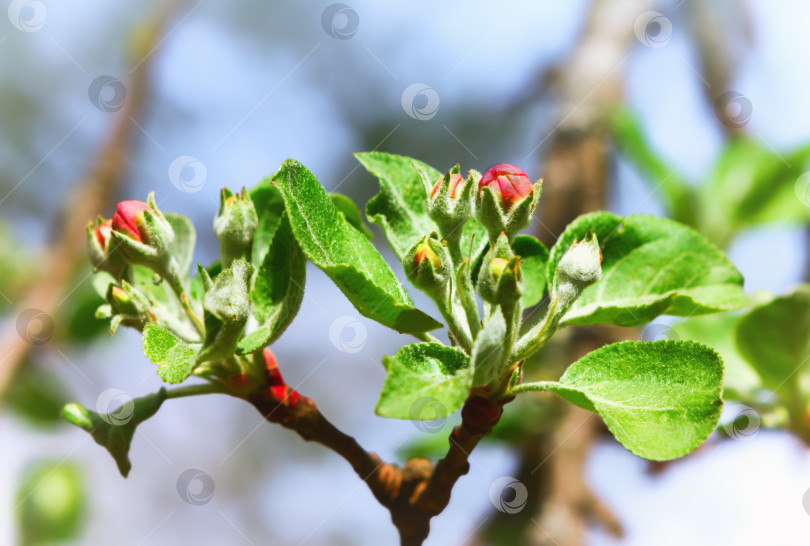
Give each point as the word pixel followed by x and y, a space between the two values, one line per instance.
pixel 91 194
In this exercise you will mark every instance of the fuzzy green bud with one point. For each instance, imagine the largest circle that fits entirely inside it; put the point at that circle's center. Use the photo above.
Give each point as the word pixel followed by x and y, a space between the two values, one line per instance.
pixel 427 265
pixel 500 279
pixel 235 225
pixel 227 307
pixel 128 306
pixel 451 201
pixel 579 268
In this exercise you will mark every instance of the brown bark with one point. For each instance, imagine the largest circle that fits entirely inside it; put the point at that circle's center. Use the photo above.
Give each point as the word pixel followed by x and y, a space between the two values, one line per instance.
pixel 412 493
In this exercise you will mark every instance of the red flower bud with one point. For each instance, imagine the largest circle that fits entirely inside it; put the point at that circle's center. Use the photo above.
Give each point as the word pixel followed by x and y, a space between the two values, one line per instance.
pixel 511 183
pixel 128 216
pixel 455 180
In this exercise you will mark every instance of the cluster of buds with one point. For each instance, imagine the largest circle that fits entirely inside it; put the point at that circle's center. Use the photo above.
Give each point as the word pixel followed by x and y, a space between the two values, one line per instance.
pixel 137 234
pixel 506 200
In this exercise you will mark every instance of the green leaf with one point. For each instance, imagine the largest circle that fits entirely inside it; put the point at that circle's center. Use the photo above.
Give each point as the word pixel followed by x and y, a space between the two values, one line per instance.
pixel 424 374
pixel 533 261
pixel 35 394
pixel 101 281
pixel 751 184
pixel 279 290
pixel 269 208
pixel 400 208
pixel 182 246
pixel 351 213
pixel 651 266
pixel 660 400
pixel 114 431
pixel 718 331
pixel 175 358
pixel 156 289
pixel 345 255
pixel 775 339
pixel 51 505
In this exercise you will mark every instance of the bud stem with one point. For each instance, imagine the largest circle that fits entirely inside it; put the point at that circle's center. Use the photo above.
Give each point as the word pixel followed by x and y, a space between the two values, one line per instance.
pixel 426 337
pixel 457 322
pixel 533 386
pixel 463 286
pixel 194 390
pixel 179 289
pixel 539 333
pixel 466 295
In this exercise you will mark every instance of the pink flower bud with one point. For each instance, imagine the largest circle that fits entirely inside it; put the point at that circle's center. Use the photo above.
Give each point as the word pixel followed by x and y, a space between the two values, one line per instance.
pixel 455 180
pixel 507 181
pixel 128 218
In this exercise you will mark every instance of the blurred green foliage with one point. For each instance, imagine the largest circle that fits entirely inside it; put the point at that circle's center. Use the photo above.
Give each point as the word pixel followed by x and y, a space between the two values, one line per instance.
pixel 51 503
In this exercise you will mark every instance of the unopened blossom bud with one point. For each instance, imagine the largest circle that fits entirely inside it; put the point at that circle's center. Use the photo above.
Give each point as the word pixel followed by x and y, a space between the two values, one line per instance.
pixel 508 182
pixel 235 225
pixel 579 268
pixel 143 234
pixel 427 265
pixel 582 262
pixel 227 307
pixel 129 219
pixel 455 180
pixel 450 201
pixel 500 279
pixel 128 306
pixel 506 200
pixel 103 254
